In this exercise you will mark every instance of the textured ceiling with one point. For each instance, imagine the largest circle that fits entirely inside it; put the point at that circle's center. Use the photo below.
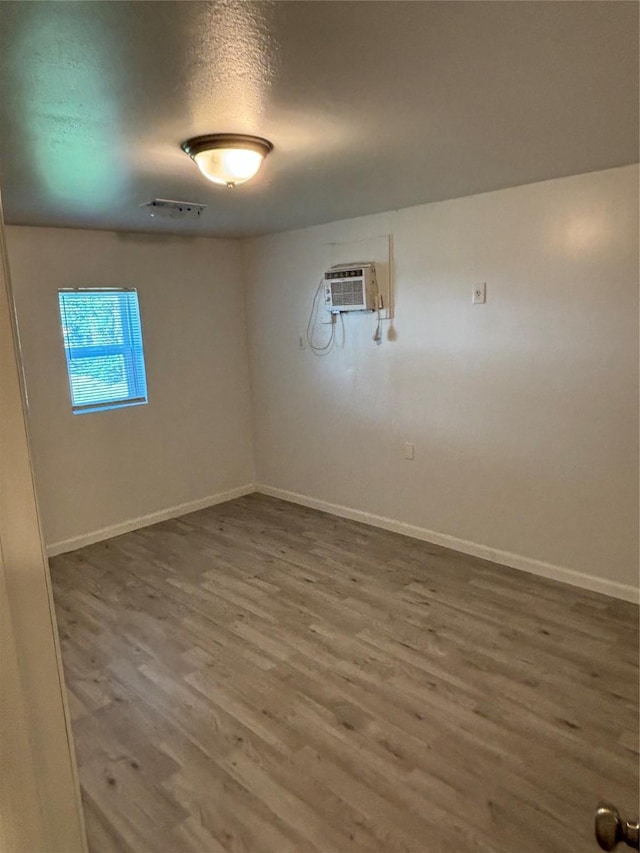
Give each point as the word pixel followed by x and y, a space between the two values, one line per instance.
pixel 370 105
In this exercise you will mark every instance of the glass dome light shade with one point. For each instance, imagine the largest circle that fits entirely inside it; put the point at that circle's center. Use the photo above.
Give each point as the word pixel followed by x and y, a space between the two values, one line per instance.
pixel 228 166
pixel 228 158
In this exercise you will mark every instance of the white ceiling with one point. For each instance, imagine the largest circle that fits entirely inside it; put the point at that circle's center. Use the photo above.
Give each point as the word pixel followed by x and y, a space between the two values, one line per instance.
pixel 370 105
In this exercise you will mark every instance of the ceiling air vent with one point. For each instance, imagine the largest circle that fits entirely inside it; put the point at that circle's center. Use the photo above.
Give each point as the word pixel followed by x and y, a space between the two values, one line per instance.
pixel 164 208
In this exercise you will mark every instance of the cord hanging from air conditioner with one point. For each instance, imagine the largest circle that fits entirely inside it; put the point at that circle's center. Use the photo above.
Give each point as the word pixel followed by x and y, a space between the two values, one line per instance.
pixel 326 348
pixel 341 345
pixel 377 335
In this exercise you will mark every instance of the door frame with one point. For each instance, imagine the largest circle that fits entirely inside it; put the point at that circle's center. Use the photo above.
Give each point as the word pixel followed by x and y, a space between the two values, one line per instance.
pixel 40 803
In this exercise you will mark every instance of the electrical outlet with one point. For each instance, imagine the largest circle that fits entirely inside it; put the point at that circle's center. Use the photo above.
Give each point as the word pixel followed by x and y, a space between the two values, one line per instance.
pixel 480 293
pixel 409 451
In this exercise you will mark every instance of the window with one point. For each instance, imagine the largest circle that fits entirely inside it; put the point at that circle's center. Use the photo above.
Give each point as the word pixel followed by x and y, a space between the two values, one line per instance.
pixel 103 345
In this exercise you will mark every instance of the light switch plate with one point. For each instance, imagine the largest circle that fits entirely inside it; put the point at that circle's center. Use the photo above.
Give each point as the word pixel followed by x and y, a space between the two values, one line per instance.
pixel 480 293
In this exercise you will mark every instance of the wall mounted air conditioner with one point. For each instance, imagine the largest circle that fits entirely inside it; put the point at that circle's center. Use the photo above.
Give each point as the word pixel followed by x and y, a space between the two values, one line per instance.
pixel 351 287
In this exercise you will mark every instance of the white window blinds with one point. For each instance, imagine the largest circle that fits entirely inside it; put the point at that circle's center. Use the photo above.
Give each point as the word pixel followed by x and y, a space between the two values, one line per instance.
pixel 103 344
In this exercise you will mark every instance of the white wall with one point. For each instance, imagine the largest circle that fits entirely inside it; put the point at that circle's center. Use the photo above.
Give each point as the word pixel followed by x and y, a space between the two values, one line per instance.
pixel 524 411
pixel 193 439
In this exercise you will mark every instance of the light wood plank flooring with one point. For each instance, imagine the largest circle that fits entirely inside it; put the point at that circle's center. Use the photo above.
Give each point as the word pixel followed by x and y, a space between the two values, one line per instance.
pixel 265 678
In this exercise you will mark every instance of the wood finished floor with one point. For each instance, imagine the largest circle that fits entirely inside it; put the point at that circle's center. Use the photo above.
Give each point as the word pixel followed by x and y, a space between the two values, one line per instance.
pixel 264 678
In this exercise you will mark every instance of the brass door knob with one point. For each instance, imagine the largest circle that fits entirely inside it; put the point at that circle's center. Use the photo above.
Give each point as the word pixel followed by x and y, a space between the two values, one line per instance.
pixel 611 829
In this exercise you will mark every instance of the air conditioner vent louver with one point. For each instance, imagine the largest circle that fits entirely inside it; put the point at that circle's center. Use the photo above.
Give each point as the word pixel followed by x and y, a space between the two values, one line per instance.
pixel 346 293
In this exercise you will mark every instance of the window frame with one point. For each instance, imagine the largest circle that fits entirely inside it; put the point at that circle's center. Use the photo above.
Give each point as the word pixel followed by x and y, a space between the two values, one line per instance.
pixel 131 349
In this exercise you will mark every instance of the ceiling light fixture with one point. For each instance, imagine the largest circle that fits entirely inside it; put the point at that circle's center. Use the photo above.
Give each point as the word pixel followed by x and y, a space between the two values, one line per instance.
pixel 228 158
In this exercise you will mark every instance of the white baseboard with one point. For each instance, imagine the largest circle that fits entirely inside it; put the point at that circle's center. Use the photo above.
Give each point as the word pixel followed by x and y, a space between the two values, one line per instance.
pixel 145 520
pixel 505 558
